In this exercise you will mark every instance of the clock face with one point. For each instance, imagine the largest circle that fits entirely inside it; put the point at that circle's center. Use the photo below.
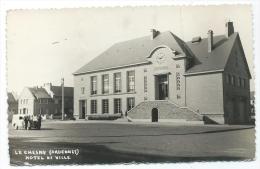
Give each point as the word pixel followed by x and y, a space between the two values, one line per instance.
pixel 160 58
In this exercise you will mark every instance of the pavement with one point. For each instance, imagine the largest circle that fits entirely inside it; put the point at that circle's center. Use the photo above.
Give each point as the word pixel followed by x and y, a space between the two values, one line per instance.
pixel 106 142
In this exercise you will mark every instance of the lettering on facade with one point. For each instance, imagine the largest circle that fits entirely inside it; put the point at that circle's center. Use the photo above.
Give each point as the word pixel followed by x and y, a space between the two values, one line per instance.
pixel 178 83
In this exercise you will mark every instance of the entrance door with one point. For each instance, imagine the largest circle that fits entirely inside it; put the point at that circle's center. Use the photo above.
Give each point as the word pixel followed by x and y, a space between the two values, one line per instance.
pixel 154 115
pixel 162 87
pixel 82 110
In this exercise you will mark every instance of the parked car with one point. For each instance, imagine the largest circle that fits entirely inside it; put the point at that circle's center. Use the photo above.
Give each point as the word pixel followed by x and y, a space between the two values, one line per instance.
pixel 18 121
pixel 34 123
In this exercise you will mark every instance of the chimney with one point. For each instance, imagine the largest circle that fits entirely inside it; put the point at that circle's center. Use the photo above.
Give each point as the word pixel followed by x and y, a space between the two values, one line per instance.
pixel 210 41
pixel 229 28
pixel 154 33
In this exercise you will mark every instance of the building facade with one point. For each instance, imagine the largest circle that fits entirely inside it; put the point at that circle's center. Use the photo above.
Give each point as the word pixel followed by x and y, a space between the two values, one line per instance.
pixel 45 100
pixel 160 77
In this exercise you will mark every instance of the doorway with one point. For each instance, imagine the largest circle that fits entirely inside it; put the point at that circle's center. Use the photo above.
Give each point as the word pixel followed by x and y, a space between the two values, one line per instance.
pixel 154 115
pixel 161 87
pixel 82 109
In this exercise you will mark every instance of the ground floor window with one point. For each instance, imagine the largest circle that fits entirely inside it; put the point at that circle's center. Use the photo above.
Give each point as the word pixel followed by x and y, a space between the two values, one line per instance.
pixel 117 105
pixel 105 106
pixel 130 103
pixel 93 106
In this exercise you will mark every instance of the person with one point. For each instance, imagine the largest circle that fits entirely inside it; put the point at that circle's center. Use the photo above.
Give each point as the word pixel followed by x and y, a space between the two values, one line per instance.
pixel 39 121
pixel 26 122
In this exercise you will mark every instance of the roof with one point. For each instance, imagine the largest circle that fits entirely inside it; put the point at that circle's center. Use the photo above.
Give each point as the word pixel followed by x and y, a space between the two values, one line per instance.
pixel 68 91
pixel 11 98
pixel 39 93
pixel 214 60
pixel 133 52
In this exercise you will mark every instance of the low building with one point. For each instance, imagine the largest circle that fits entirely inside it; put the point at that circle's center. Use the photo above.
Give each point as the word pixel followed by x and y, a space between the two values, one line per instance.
pixel 12 102
pixel 46 100
pixel 56 93
pixel 161 77
pixel 35 101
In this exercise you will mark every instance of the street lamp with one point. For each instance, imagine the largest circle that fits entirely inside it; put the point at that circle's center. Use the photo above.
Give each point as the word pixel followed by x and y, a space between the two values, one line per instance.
pixel 62 98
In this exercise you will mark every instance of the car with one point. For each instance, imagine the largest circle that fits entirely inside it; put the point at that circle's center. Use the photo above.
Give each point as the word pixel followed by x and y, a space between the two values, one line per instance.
pixel 18 121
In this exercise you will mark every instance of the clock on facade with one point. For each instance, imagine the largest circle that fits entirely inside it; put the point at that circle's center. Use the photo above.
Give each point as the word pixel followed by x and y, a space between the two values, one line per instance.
pixel 160 58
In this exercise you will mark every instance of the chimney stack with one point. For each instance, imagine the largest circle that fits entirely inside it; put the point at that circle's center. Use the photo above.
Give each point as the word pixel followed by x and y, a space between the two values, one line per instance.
pixel 229 28
pixel 210 41
pixel 154 33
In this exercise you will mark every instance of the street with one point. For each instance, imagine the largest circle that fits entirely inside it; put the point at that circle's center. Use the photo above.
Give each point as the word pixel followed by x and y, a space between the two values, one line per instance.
pixel 111 142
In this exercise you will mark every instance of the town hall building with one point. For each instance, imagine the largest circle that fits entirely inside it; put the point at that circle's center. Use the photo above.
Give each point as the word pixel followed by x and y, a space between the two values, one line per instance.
pixel 160 77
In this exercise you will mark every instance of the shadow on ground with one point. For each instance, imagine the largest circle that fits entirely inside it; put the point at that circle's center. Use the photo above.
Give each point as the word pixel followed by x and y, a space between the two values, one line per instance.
pixel 99 153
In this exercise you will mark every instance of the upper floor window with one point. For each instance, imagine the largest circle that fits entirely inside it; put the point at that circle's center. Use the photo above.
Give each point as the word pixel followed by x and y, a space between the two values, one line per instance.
pixel 117 82
pixel 239 81
pixel 243 84
pixel 130 81
pixel 232 80
pixel 93 84
pixel 105 83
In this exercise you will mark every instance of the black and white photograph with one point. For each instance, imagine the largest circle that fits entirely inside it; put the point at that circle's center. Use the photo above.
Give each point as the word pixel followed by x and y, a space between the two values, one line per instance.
pixel 162 84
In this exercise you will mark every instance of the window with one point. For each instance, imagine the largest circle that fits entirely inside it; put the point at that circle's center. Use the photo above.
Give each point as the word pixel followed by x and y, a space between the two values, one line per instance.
pixel 243 83
pixel 82 90
pixel 130 81
pixel 105 83
pixel 117 82
pixel 93 85
pixel 232 80
pixel 105 106
pixel 239 82
pixel 145 84
pixel 178 66
pixel 93 106
pixel 178 82
pixel 117 106
pixel 130 103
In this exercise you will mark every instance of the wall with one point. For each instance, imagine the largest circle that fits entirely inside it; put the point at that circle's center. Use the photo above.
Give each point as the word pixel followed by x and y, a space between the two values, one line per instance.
pixel 234 94
pixel 205 93
pixel 165 65
pixel 28 105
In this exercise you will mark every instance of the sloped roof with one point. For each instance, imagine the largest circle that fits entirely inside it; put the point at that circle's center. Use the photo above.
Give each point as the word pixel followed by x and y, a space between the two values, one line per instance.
pixel 39 93
pixel 68 91
pixel 214 60
pixel 133 52
pixel 11 98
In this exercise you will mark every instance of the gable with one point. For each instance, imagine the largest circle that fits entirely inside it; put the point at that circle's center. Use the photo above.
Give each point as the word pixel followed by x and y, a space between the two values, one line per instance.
pixel 211 61
pixel 133 52
pixel 26 93
pixel 237 63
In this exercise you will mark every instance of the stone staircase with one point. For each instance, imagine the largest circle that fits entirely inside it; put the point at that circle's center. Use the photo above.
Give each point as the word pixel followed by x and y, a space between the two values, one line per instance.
pixel 166 109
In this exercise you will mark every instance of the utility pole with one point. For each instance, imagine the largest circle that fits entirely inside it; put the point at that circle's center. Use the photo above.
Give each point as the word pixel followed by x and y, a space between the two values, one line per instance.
pixel 62 98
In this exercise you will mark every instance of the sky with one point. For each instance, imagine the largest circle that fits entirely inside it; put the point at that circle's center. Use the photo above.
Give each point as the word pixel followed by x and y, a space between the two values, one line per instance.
pixel 48 44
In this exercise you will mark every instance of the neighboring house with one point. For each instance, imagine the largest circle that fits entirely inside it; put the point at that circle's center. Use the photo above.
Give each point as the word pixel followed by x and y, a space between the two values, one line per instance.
pixel 56 93
pixel 46 100
pixel 35 101
pixel 12 102
pixel 160 77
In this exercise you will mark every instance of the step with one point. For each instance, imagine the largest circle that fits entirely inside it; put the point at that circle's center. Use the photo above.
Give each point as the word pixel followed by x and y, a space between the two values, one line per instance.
pixel 166 110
